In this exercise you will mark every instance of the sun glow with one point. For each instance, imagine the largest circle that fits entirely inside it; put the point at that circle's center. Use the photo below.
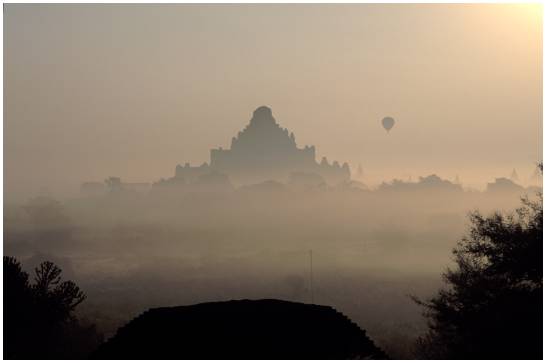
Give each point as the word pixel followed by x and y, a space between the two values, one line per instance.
pixel 532 12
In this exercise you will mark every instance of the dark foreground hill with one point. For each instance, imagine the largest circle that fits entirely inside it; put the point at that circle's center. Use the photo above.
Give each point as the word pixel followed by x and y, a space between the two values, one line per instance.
pixel 241 329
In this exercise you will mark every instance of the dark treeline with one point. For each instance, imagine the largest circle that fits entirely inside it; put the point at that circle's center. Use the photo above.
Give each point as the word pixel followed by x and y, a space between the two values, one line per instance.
pixel 38 315
pixel 491 306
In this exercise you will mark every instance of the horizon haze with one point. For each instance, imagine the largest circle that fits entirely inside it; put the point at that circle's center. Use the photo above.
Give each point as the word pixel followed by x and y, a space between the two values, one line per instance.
pixel 92 91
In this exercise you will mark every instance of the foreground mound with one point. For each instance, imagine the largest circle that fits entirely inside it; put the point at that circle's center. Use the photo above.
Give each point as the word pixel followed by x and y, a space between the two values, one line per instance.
pixel 242 329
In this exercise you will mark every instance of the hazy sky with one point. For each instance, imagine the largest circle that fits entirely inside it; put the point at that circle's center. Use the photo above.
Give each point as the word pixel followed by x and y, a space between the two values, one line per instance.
pixel 92 91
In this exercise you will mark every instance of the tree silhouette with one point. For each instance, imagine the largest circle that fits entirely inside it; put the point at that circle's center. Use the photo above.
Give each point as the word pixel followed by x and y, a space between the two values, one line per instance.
pixel 38 320
pixel 17 300
pixel 491 307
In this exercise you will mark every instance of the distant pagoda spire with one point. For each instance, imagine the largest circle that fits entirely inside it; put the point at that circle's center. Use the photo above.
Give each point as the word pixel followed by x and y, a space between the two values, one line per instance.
pixel 514 175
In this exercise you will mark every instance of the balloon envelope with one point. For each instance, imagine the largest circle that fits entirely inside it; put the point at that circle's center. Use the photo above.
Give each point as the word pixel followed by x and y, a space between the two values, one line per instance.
pixel 388 123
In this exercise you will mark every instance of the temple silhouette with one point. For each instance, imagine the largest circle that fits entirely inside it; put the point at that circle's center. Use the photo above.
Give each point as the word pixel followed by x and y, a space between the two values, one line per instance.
pixel 265 151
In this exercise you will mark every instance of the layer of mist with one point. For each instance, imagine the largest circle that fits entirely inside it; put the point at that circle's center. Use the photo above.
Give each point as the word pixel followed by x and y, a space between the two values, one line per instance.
pixel 371 249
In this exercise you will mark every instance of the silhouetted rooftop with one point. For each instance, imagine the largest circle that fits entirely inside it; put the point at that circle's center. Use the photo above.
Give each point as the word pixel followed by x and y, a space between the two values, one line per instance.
pixel 242 329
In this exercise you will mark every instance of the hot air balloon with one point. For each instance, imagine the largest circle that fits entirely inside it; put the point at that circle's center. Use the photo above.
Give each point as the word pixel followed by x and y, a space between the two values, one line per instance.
pixel 388 123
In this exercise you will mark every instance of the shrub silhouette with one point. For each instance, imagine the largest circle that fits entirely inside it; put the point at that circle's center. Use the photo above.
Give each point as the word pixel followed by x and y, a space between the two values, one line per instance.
pixel 492 305
pixel 38 319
